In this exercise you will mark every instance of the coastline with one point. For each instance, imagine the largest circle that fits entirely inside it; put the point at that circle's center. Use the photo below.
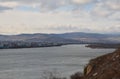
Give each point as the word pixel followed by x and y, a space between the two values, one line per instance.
pixel 43 45
pixel 102 67
pixel 100 45
pixel 60 52
pixel 19 45
pixel 93 46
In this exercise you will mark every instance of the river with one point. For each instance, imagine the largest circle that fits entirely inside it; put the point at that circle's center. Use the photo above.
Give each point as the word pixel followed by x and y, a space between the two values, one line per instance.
pixel 30 63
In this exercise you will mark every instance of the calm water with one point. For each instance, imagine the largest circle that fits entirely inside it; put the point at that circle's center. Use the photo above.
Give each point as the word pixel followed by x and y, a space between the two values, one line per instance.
pixel 30 63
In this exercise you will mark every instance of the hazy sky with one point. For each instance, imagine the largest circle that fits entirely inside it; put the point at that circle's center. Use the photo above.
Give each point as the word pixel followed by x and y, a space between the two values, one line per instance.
pixel 58 16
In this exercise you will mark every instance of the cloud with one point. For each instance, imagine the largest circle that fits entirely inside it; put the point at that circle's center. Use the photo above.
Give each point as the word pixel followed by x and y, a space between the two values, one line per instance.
pixel 113 4
pixel 101 10
pixel 2 8
pixel 115 16
pixel 9 4
pixel 33 22
pixel 82 1
pixel 52 4
pixel 44 5
pixel 100 7
pixel 106 8
pixel 59 15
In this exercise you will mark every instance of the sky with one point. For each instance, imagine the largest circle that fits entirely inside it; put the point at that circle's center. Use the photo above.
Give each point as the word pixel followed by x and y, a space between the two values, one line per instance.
pixel 59 16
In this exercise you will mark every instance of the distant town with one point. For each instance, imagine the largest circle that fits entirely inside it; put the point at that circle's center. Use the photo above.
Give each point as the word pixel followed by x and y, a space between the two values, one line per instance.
pixel 22 44
pixel 50 40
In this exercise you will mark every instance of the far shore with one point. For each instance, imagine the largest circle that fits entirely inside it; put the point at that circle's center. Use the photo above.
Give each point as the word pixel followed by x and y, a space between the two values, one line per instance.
pixel 100 45
pixel 93 46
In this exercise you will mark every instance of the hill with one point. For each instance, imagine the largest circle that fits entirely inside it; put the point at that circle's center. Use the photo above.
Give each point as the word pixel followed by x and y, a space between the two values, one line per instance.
pixel 74 37
pixel 103 67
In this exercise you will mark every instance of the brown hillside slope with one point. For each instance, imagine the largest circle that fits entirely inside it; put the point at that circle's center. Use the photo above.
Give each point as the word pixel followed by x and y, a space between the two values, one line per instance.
pixel 104 67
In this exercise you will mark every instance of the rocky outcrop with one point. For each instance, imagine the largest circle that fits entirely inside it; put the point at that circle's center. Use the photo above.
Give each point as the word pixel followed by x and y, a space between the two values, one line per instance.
pixel 103 67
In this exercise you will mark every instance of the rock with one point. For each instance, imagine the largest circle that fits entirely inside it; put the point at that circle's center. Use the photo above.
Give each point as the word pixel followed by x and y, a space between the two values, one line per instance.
pixel 104 67
pixel 95 74
pixel 88 69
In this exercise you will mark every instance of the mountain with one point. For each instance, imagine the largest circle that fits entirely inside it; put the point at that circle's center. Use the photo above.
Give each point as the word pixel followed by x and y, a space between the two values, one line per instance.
pixel 74 37
pixel 92 37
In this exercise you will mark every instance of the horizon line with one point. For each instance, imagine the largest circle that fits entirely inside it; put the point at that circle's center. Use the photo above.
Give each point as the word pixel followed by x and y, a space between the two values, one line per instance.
pixel 57 33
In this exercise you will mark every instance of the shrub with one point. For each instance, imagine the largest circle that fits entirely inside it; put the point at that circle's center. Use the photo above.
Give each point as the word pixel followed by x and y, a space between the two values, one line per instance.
pixel 77 75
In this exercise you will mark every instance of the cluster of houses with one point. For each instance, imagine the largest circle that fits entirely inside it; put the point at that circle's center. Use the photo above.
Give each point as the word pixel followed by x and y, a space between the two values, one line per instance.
pixel 23 44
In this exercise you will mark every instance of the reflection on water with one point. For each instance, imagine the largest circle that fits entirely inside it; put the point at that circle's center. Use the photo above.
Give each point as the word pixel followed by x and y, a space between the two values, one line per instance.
pixel 30 63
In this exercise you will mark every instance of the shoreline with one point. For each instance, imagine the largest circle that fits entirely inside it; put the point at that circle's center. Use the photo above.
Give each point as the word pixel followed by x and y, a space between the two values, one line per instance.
pixel 31 47
pixel 102 67
pixel 100 45
pixel 42 46
pixel 92 46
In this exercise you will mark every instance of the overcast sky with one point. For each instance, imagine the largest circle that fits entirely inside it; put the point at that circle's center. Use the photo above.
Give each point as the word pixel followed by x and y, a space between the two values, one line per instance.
pixel 59 16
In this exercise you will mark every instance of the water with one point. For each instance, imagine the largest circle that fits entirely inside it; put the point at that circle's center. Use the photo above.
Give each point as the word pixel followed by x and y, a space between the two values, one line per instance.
pixel 30 63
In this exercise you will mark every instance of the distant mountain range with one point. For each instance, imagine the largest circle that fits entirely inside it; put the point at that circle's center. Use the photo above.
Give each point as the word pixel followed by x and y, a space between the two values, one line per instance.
pixel 74 37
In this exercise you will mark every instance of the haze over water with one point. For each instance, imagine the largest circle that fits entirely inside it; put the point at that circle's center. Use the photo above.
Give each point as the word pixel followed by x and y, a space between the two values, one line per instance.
pixel 31 63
